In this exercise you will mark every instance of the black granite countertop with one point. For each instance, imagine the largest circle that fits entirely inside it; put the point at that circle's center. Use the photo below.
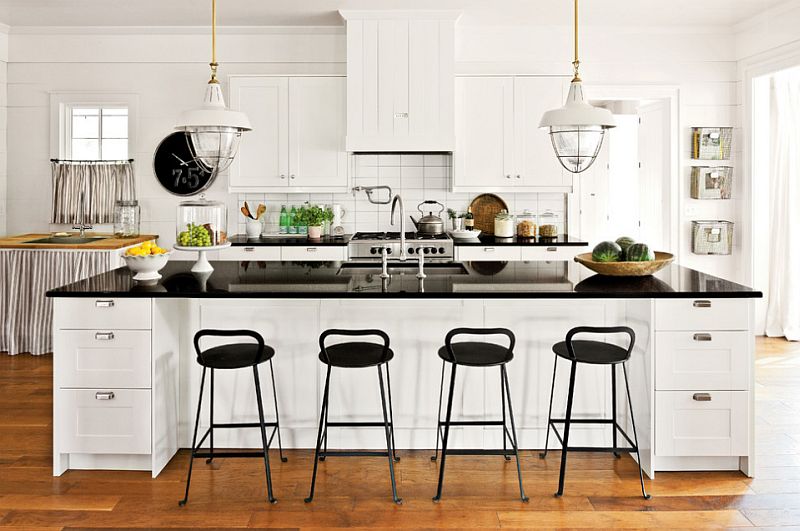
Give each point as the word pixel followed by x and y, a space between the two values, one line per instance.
pixel 490 239
pixel 287 240
pixel 476 280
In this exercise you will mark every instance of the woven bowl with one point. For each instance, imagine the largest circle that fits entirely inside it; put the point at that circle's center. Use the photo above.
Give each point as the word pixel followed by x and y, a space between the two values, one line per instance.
pixel 626 269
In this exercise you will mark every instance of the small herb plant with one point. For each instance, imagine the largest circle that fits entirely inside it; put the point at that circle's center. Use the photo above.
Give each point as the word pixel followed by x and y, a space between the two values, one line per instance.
pixel 314 215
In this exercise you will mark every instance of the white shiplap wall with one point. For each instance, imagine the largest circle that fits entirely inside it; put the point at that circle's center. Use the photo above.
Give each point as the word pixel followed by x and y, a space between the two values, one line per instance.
pixel 3 129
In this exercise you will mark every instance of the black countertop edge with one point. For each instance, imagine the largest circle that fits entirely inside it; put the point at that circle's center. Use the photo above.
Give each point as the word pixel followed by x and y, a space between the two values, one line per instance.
pixel 562 240
pixel 405 295
pixel 240 240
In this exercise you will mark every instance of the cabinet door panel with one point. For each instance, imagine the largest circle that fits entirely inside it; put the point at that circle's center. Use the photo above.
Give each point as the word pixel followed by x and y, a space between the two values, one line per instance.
pixel 484 121
pixel 536 162
pixel 317 157
pixel 263 153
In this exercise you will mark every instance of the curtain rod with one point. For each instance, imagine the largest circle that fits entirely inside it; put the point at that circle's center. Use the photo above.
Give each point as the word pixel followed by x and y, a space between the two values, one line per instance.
pixel 92 161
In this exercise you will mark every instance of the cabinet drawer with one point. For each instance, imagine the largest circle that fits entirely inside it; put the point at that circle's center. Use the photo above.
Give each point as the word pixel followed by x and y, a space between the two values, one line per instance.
pixel 104 421
pixel 478 253
pixel 259 253
pixel 702 314
pixel 102 313
pixel 103 358
pixel 302 253
pixel 698 423
pixel 702 360
pixel 546 253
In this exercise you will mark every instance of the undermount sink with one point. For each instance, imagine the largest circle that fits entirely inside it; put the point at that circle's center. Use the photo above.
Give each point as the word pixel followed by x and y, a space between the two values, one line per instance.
pixel 402 268
pixel 67 240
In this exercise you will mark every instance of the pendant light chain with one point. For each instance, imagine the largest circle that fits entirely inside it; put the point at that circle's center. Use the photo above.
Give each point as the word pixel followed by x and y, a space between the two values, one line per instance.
pixel 576 63
pixel 213 62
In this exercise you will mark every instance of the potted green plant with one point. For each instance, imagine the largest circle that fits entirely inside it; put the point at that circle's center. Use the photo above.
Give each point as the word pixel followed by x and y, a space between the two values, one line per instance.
pixel 314 216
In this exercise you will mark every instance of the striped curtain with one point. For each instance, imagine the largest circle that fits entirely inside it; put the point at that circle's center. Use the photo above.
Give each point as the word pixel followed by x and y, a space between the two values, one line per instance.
pixel 85 191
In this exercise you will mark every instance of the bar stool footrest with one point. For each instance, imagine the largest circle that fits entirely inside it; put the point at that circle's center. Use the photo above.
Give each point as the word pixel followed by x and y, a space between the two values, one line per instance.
pixel 478 451
pixel 354 453
pixel 215 454
pixel 615 449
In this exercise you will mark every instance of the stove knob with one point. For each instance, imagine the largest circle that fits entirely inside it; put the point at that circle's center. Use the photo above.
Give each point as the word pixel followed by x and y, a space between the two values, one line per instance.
pixel 433 250
pixel 427 250
pixel 373 251
pixel 441 250
pixel 410 250
pixel 389 251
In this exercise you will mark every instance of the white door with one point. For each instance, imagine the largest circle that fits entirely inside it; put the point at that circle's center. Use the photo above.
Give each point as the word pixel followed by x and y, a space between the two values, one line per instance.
pixel 485 132
pixel 654 188
pixel 536 162
pixel 317 156
pixel 263 154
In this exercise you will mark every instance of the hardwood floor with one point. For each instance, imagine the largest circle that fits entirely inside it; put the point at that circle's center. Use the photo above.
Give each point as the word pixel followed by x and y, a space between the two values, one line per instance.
pixel 480 492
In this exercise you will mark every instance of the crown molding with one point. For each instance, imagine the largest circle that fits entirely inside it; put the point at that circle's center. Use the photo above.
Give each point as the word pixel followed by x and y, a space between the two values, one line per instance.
pixel 174 30
pixel 771 12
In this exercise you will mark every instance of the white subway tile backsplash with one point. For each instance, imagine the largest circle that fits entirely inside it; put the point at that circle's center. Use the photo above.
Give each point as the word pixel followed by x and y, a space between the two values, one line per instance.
pixel 388 159
pixel 411 159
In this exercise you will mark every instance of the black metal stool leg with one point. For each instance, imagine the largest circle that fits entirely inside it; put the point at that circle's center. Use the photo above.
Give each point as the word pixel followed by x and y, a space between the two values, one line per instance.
pixel 211 421
pixel 503 403
pixel 277 415
pixel 324 452
pixel 322 413
pixel 264 442
pixel 504 375
pixel 446 433
pixel 635 438
pixel 567 419
pixel 391 414
pixel 389 442
pixel 542 455
pixel 439 416
pixel 614 409
pixel 194 439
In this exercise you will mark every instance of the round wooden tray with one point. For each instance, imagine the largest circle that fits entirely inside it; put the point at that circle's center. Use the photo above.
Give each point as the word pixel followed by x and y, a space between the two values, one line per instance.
pixel 625 269
pixel 484 208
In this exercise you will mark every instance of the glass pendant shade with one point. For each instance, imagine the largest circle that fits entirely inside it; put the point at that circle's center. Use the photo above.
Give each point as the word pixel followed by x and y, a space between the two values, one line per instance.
pixel 577 130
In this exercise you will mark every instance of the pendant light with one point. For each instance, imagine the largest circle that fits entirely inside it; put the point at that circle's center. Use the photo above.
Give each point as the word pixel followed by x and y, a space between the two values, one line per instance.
pixel 213 131
pixel 577 129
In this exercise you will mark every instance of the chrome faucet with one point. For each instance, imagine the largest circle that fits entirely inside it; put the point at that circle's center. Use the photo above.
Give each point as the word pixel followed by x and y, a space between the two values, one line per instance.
pixel 398 199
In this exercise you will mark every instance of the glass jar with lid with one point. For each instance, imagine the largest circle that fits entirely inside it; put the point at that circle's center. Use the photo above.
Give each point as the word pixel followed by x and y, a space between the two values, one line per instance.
pixel 127 219
pixel 504 225
pixel 526 224
pixel 550 224
pixel 201 223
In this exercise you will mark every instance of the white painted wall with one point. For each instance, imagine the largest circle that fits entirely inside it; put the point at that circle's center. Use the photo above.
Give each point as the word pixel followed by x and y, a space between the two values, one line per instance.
pixel 3 135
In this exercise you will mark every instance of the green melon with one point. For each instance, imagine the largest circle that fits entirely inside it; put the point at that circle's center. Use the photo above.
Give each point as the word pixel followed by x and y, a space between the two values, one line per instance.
pixel 639 252
pixel 625 242
pixel 607 252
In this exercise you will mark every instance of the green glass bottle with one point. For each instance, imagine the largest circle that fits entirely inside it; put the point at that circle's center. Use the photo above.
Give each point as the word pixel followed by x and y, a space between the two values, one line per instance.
pixel 292 222
pixel 284 221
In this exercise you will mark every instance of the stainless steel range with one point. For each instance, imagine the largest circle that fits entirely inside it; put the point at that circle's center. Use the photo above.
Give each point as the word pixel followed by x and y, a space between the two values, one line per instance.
pixel 369 246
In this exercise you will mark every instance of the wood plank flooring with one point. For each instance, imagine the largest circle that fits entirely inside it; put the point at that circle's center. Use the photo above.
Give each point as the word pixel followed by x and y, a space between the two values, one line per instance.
pixel 354 493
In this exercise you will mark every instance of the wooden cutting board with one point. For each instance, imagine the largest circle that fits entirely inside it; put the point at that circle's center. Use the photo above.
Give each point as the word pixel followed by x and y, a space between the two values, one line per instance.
pixel 484 209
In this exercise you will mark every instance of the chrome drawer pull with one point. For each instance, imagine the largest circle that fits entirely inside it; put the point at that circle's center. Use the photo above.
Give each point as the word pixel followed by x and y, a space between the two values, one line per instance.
pixel 552 249
pixel 702 304
pixel 702 337
pixel 107 395
pixel 104 303
pixel 104 336
pixel 488 249
pixel 249 249
pixel 311 249
pixel 701 397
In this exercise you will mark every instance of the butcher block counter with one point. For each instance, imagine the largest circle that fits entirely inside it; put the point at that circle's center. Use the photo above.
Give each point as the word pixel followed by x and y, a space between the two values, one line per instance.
pixel 106 242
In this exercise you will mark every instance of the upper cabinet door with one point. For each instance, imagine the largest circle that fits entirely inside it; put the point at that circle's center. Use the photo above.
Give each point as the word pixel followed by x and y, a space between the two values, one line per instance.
pixel 263 153
pixel 400 80
pixel 485 125
pixel 317 158
pixel 536 162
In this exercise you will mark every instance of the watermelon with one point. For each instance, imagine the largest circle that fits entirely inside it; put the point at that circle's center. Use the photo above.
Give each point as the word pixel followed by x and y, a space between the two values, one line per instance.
pixel 607 252
pixel 625 242
pixel 639 252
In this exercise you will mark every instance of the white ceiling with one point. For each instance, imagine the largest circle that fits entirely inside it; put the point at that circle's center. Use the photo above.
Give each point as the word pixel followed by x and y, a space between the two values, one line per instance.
pixel 324 12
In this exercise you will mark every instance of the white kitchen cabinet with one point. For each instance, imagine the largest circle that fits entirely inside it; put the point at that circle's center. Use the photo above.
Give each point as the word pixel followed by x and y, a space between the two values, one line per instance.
pixel 702 360
pixel 499 145
pixel 311 253
pixel 297 141
pixel 400 80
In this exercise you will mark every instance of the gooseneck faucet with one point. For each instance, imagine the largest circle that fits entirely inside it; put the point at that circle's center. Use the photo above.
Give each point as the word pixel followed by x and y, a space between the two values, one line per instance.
pixel 398 199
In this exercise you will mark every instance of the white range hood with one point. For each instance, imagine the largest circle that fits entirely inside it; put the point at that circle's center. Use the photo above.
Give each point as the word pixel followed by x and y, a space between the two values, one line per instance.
pixel 400 80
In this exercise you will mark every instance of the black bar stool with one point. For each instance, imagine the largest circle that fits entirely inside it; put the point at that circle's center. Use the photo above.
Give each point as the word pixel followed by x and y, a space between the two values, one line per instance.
pixel 593 353
pixel 235 356
pixel 476 354
pixel 350 355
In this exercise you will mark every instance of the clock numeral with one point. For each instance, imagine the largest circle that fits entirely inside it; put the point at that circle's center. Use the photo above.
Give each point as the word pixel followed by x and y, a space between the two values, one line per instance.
pixel 192 180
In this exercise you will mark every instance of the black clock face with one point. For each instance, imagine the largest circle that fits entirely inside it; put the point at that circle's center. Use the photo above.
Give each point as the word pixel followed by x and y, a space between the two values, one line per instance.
pixel 176 169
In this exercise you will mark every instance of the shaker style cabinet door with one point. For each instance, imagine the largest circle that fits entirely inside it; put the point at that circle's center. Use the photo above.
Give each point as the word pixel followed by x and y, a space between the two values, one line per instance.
pixel 485 130
pixel 317 157
pixel 263 153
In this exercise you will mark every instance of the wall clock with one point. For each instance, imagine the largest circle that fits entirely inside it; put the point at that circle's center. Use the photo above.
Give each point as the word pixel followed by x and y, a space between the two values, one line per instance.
pixel 176 168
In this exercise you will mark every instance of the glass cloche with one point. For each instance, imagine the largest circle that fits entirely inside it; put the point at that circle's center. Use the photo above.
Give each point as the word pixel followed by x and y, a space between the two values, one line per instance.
pixel 202 223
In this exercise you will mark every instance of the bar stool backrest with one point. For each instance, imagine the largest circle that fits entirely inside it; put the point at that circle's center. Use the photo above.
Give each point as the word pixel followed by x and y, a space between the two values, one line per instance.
pixel 448 340
pixel 352 333
pixel 600 330
pixel 208 332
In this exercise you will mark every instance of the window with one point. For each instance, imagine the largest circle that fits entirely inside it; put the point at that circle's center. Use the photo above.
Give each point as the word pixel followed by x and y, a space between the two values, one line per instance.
pixel 97 132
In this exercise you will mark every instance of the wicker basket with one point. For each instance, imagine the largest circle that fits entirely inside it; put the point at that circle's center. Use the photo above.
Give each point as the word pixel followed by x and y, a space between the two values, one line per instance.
pixel 712 182
pixel 712 143
pixel 712 237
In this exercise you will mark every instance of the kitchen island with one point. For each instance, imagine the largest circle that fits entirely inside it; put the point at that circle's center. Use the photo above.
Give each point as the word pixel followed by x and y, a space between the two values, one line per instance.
pixel 691 370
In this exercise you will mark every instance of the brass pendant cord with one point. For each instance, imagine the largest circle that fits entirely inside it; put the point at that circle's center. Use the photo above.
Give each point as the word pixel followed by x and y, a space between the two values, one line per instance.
pixel 576 63
pixel 213 62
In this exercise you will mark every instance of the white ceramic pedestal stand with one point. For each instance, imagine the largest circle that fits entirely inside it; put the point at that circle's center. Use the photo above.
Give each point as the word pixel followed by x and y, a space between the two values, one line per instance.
pixel 202 265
